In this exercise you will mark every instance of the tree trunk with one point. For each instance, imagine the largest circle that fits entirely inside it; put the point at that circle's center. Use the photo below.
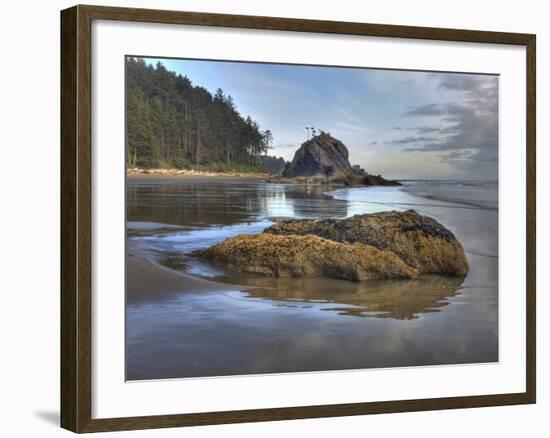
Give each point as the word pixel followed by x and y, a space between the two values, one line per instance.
pixel 198 150
pixel 128 156
pixel 162 152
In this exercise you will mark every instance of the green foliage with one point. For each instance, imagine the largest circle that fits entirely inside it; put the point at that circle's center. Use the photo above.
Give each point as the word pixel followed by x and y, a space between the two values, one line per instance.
pixel 233 167
pixel 274 165
pixel 172 123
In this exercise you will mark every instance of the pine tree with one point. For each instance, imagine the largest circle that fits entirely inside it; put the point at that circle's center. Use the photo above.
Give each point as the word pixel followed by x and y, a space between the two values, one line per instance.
pixel 171 122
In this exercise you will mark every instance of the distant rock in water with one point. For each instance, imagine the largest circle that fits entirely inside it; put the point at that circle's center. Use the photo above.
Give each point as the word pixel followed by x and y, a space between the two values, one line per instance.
pixel 306 256
pixel 324 158
pixel 378 180
pixel 420 241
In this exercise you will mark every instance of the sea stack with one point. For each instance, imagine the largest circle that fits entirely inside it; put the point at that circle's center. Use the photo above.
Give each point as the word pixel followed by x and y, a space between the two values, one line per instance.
pixel 323 159
pixel 317 156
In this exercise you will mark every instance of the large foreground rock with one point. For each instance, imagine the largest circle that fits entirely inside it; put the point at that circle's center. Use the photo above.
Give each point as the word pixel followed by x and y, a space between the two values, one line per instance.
pixel 420 241
pixel 306 256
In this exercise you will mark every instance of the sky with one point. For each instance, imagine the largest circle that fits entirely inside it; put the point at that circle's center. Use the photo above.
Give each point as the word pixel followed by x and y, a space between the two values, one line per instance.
pixel 400 124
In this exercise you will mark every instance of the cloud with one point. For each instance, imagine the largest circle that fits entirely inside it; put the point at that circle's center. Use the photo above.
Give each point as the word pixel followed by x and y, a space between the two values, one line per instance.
pixel 407 140
pixel 431 109
pixel 434 129
pixel 456 156
pixel 471 129
pixel 351 117
pixel 258 79
pixel 350 127
pixel 465 130
pixel 459 82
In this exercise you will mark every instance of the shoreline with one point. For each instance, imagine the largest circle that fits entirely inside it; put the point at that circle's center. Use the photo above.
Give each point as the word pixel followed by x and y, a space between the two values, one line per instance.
pixel 191 172
pixel 137 174
pixel 175 281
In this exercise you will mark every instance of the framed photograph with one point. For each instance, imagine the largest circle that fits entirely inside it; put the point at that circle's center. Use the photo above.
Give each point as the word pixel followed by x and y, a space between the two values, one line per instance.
pixel 270 218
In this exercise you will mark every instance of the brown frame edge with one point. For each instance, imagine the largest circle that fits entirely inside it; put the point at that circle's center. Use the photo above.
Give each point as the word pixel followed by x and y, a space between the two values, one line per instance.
pixel 76 168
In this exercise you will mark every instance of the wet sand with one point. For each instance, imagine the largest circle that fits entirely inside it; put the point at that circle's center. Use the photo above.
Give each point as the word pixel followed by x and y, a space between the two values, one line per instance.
pixel 187 319
pixel 146 281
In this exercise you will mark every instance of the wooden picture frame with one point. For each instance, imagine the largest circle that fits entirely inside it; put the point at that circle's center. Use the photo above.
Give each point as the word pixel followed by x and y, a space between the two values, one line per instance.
pixel 76 218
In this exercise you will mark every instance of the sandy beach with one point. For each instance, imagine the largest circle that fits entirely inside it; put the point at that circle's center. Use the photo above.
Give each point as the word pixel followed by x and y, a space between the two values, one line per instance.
pixel 151 174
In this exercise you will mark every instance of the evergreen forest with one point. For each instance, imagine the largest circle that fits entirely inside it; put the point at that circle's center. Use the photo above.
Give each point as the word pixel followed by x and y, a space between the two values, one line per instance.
pixel 172 123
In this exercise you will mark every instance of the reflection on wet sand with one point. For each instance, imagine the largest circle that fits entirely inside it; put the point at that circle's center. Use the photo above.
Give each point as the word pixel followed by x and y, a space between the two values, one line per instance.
pixel 398 299
pixel 199 204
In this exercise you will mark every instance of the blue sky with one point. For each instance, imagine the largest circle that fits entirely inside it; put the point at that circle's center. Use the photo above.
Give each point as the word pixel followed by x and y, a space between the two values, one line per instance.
pixel 401 124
